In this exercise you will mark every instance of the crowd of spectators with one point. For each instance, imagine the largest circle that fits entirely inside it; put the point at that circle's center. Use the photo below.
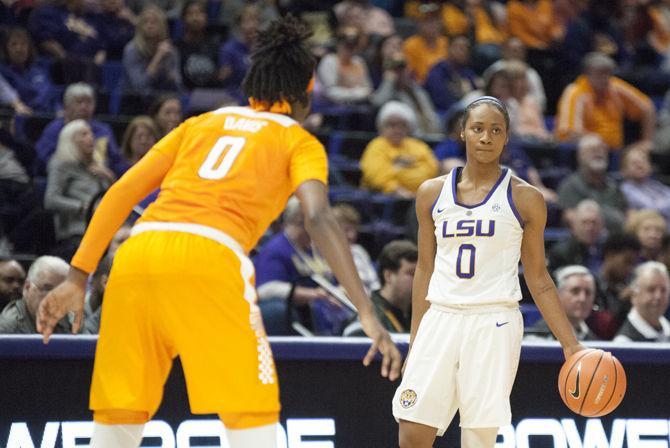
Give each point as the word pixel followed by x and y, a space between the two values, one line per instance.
pixel 87 87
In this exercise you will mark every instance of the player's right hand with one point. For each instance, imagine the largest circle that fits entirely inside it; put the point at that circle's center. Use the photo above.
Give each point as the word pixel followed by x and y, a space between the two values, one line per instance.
pixel 381 340
pixel 64 298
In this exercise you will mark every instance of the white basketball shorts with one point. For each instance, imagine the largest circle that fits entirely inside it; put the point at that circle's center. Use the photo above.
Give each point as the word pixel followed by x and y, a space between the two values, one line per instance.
pixel 462 359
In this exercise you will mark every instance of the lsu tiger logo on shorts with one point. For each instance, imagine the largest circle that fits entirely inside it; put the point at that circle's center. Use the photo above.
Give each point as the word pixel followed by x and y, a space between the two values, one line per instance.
pixel 407 398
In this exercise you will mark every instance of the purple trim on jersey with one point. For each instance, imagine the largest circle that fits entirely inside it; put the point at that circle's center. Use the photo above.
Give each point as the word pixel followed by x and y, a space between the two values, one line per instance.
pixel 488 196
pixel 471 271
pixel 432 209
pixel 511 204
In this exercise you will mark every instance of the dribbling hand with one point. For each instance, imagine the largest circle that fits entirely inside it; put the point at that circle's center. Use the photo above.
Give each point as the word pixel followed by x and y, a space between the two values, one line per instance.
pixel 571 350
pixel 391 358
pixel 64 298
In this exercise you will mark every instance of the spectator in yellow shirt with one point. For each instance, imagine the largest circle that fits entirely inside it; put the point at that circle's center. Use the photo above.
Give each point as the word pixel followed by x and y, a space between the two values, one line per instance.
pixel 598 102
pixel 429 45
pixel 533 22
pixel 394 162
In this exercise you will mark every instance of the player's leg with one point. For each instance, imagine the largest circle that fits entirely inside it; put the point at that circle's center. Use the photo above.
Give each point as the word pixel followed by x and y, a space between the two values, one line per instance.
pixel 115 428
pixel 223 347
pixel 478 437
pixel 416 435
pixel 426 401
pixel 133 357
pixel 251 429
pixel 487 371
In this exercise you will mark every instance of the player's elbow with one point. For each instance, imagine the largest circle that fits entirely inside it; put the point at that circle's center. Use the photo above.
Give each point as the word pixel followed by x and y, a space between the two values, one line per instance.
pixel 316 219
pixel 536 278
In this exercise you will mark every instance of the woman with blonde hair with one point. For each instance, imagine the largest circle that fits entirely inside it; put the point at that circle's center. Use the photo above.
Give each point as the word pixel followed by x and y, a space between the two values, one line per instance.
pixel 650 228
pixel 140 135
pixel 150 61
pixel 74 178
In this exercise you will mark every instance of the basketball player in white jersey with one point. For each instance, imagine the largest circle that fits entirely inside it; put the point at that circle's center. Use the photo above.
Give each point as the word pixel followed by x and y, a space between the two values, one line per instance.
pixel 474 225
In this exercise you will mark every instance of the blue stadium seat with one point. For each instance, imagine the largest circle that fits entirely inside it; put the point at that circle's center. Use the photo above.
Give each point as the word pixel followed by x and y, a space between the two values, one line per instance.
pixel 112 74
pixel 276 318
pixel 329 319
pixel 530 314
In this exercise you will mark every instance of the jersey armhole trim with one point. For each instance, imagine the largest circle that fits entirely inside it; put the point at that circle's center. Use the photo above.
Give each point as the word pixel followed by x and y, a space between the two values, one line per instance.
pixel 437 199
pixel 511 203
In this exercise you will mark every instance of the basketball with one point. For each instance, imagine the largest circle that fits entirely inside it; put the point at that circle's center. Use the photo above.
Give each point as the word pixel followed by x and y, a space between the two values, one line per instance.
pixel 592 383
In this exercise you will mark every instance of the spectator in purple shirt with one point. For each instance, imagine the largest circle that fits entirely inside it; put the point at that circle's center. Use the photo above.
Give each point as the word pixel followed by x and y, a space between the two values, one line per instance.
pixel 20 68
pixel 117 24
pixel 285 266
pixel 234 54
pixel 66 32
pixel 640 190
pixel 79 103
pixel 448 81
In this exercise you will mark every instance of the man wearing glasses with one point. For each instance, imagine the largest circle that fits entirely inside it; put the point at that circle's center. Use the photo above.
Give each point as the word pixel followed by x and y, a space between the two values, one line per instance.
pixel 18 317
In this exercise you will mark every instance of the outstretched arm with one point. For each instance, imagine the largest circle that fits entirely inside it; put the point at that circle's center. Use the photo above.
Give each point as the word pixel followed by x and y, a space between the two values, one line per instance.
pixel 113 210
pixel 333 245
pixel 534 213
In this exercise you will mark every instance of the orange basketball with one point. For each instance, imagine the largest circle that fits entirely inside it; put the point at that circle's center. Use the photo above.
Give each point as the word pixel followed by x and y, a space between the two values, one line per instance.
pixel 592 383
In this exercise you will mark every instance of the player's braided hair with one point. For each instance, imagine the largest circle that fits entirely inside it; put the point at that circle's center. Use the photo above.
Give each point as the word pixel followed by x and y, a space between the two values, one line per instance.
pixel 281 64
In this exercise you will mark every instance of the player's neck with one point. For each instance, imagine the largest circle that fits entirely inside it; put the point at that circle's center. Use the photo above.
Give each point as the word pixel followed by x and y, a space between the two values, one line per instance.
pixel 481 174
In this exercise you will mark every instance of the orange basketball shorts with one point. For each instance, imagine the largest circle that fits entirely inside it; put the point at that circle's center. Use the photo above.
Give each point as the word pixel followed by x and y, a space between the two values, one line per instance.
pixel 172 293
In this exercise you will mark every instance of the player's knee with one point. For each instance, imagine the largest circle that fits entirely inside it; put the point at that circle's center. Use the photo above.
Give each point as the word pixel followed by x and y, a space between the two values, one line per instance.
pixel 478 437
pixel 408 438
pixel 120 417
pixel 249 419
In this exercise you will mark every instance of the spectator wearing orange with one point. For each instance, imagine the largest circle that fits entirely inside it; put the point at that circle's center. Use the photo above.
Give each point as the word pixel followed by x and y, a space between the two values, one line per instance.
pixel 428 46
pixel 533 22
pixel 477 20
pixel 394 162
pixel 598 102
pixel 473 18
pixel 659 34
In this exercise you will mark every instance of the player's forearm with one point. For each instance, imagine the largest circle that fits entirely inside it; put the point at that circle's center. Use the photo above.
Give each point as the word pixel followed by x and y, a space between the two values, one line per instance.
pixel 333 245
pixel 546 297
pixel 419 303
pixel 648 125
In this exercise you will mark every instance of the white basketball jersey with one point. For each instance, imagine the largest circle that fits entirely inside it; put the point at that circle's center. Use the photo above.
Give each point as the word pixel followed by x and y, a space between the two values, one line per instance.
pixel 478 246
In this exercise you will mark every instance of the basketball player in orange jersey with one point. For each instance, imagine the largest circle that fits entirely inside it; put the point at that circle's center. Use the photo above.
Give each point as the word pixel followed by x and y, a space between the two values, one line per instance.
pixel 474 225
pixel 182 284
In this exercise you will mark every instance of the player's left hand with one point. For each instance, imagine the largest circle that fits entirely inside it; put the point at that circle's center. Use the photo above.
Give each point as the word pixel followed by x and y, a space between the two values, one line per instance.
pixel 391 358
pixel 64 298
pixel 569 351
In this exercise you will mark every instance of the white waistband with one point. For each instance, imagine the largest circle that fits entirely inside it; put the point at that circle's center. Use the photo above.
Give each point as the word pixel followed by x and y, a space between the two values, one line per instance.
pixel 195 229
pixel 485 308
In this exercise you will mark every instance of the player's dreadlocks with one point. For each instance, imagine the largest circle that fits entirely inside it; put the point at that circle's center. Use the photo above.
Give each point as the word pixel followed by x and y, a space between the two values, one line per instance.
pixel 281 64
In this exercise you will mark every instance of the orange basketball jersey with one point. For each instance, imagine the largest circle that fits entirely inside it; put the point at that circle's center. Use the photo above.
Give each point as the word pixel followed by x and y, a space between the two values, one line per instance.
pixel 232 169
